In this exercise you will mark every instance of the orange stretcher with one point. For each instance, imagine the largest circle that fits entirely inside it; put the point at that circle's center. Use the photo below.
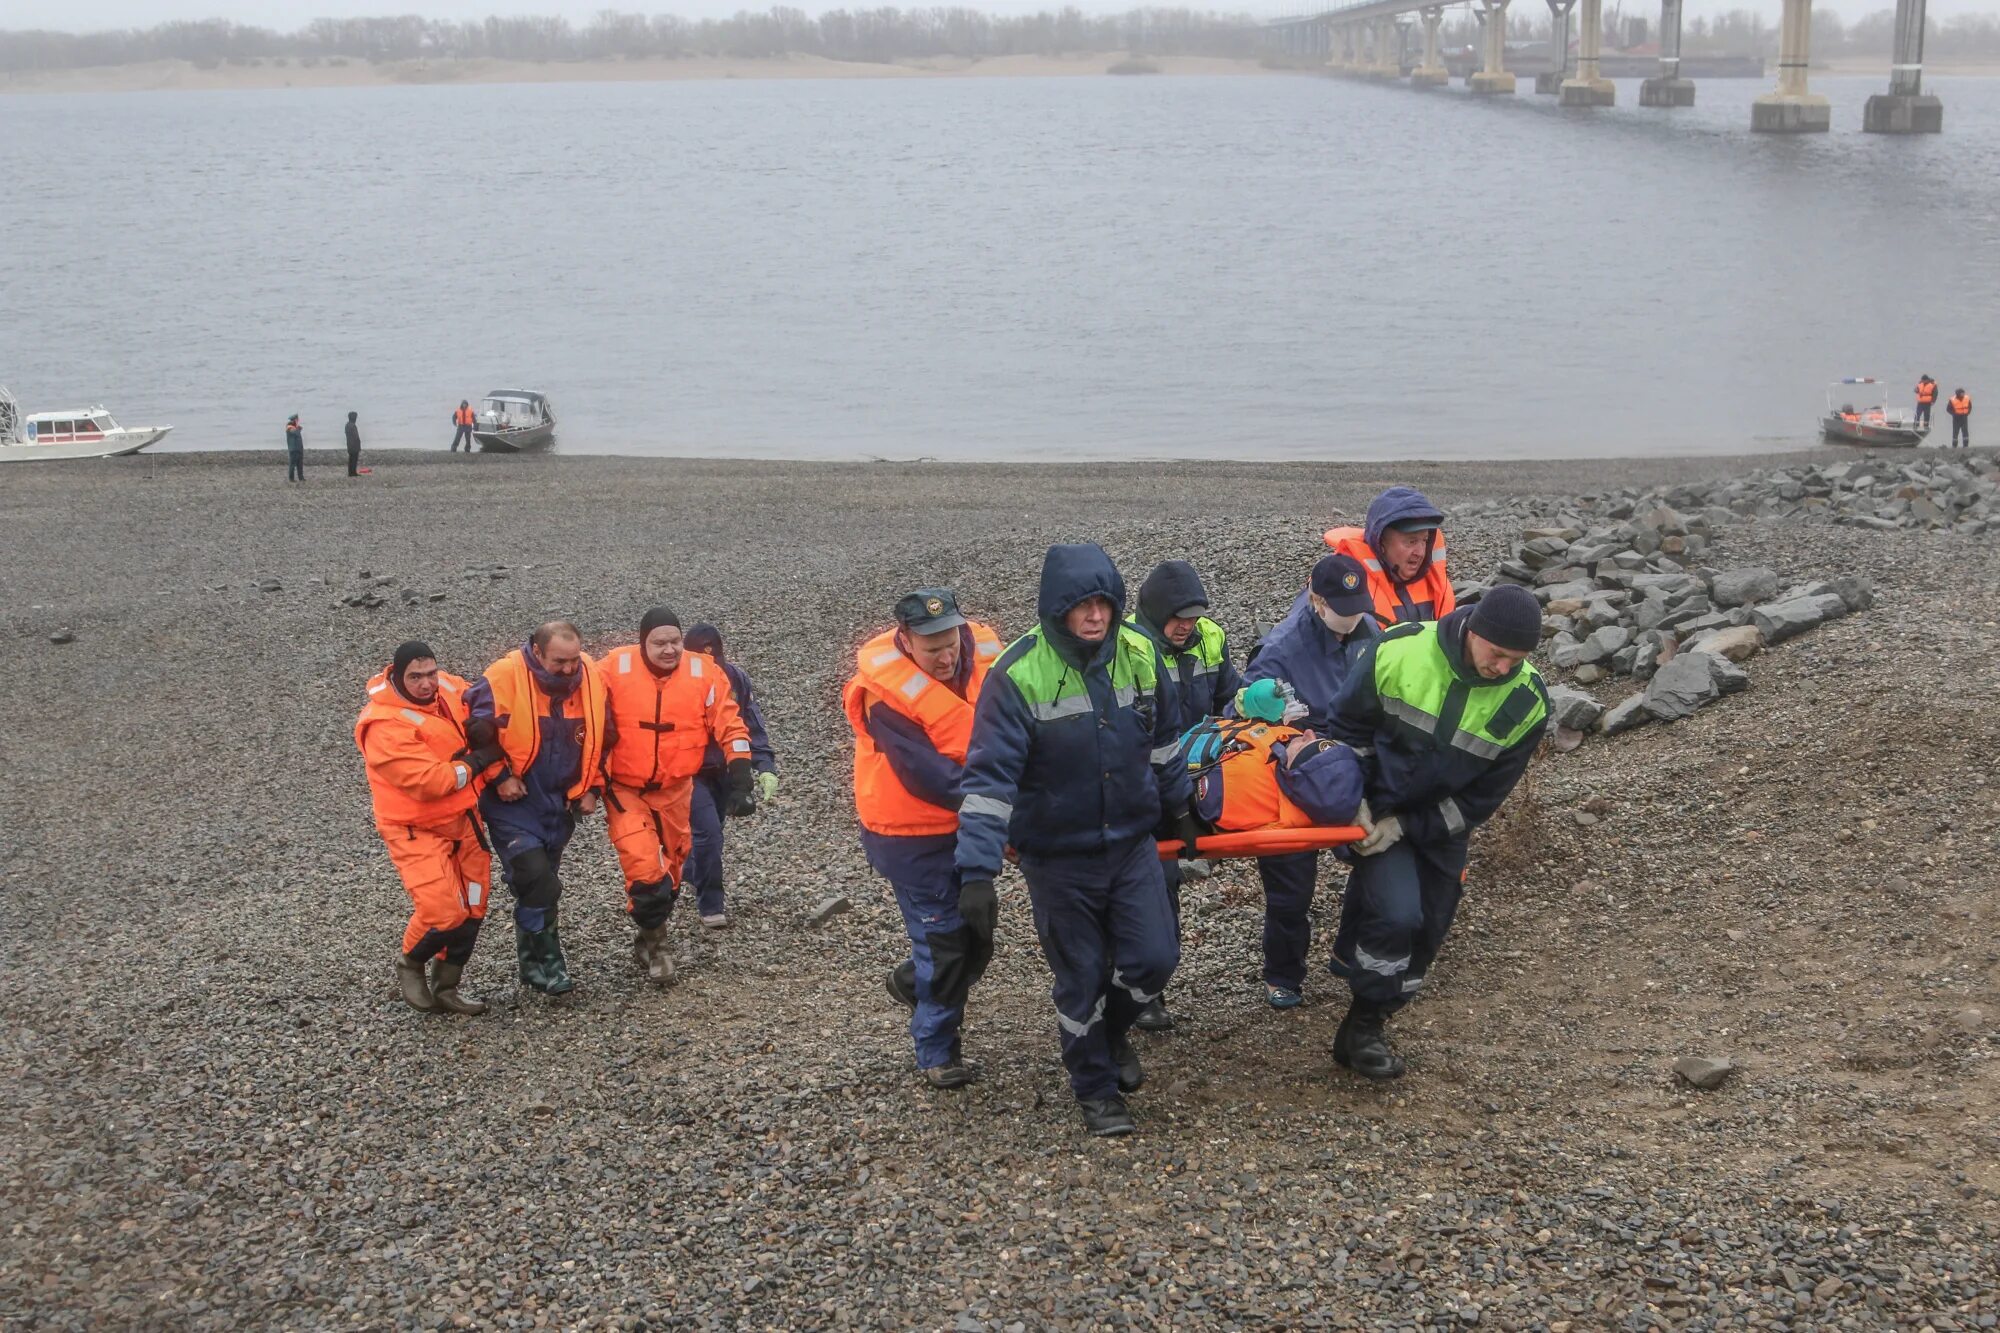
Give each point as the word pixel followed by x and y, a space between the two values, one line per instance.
pixel 1266 842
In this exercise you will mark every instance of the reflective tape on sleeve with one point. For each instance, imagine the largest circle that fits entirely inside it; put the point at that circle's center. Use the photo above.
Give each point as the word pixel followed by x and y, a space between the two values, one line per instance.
pixel 987 805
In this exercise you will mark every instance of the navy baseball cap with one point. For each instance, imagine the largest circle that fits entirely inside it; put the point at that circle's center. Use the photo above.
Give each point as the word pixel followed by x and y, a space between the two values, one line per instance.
pixel 1343 584
pixel 929 611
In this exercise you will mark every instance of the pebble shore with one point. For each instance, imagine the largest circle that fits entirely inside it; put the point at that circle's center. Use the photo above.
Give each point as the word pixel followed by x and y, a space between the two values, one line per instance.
pixel 1715 1044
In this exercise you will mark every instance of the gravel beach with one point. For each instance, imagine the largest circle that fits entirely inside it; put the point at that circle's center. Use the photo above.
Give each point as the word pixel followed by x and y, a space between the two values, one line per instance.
pixel 214 1112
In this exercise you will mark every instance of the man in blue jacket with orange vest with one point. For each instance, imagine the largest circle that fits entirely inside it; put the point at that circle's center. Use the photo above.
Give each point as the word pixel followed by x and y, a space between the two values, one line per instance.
pixel 1074 762
pixel 1402 551
pixel 711 798
pixel 910 703
pixel 546 700
pixel 1310 648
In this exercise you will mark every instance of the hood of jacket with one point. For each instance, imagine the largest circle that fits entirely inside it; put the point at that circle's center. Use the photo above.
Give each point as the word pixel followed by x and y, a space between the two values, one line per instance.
pixel 1393 506
pixel 1071 573
pixel 702 637
pixel 1166 590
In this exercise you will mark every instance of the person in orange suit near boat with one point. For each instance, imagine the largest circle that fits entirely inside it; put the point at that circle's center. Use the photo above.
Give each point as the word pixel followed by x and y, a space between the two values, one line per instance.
pixel 1927 392
pixel 464 419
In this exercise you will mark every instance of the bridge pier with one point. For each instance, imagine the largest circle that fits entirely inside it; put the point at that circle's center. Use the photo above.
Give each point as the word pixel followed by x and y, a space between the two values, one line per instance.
pixel 1791 109
pixel 1431 73
pixel 1668 88
pixel 1551 81
pixel 1905 108
pixel 1589 88
pixel 1388 62
pixel 1492 77
pixel 1350 49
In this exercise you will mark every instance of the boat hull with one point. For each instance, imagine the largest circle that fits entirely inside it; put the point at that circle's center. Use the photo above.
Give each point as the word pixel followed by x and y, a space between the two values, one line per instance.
pixel 514 441
pixel 1877 435
pixel 127 442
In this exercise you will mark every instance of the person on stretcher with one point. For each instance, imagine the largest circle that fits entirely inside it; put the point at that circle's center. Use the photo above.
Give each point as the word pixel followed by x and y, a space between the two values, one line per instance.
pixel 1256 771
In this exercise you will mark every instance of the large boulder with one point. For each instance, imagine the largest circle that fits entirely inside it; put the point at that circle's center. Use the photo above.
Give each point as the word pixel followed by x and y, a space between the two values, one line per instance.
pixel 1681 687
pixel 1745 587
pixel 1625 716
pixel 1738 643
pixel 1780 621
pixel 1603 644
pixel 1573 708
pixel 1856 591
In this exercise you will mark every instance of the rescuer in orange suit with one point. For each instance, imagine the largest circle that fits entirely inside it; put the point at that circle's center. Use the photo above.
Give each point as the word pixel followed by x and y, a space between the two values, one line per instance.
pixel 1959 408
pixel 1927 392
pixel 666 705
pixel 423 777
pixel 464 419
pixel 1402 549
pixel 910 703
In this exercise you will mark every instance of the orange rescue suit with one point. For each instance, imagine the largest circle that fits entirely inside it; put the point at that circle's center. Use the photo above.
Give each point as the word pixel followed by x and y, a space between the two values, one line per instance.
pixel 424 791
pixel 1251 797
pixel 1927 392
pixel 885 674
pixel 663 725
pixel 519 703
pixel 464 416
pixel 1959 404
pixel 1431 585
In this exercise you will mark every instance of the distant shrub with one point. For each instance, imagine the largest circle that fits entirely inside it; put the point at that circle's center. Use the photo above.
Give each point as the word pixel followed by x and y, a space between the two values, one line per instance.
pixel 1133 67
pixel 205 62
pixel 337 61
pixel 309 62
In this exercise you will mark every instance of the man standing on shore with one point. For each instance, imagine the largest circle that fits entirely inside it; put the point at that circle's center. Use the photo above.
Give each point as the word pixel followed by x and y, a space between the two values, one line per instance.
pixel 1073 762
pixel 1173 608
pixel 1450 712
pixel 1927 392
pixel 464 419
pixel 295 450
pixel 711 794
pixel 1959 408
pixel 423 775
pixel 910 703
pixel 1402 551
pixel 546 701
pixel 1311 648
pixel 353 445
pixel 667 705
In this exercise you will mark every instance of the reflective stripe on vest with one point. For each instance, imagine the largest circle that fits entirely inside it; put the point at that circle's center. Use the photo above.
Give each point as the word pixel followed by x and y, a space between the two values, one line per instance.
pixel 885 674
pixel 1418 688
pixel 1053 689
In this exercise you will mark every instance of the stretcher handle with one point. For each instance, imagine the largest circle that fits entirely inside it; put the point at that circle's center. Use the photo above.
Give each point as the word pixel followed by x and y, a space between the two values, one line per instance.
pixel 1266 842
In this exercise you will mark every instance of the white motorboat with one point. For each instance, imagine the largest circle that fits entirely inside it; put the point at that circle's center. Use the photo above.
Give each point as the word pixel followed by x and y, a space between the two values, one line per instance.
pixel 80 432
pixel 511 420
pixel 1867 419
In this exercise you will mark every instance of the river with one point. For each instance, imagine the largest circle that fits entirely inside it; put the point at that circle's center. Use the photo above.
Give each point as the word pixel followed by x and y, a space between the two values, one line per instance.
pixel 1265 267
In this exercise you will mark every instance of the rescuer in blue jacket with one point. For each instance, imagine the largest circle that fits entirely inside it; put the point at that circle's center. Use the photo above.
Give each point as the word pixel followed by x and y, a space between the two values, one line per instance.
pixel 1311 647
pixel 1074 762
pixel 703 871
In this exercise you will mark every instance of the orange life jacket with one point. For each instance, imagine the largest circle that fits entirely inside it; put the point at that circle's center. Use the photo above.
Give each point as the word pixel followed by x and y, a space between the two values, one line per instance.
pixel 414 752
pixel 464 416
pixel 664 723
pixel 1960 404
pixel 519 704
pixel 1251 797
pixel 1926 391
pixel 885 674
pixel 1396 603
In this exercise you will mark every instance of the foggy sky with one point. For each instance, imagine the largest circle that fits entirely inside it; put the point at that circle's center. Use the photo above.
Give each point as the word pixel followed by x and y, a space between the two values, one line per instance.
pixel 87 15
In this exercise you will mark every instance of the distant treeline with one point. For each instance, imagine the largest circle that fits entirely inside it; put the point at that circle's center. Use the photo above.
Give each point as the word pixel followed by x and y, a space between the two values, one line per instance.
pixel 841 34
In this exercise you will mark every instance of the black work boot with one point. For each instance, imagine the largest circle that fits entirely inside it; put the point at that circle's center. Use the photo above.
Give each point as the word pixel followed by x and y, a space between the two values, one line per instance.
pixel 410 983
pixel 444 989
pixel 955 1074
pixel 1362 1045
pixel 902 984
pixel 1106 1117
pixel 654 954
pixel 1154 1017
pixel 1131 1074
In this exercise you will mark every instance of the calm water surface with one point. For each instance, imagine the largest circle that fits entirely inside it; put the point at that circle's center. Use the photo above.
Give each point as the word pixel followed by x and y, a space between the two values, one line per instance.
pixel 1024 268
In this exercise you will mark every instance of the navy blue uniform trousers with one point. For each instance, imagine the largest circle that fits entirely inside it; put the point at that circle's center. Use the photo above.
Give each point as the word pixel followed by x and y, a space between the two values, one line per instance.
pixel 1107 930
pixel 1288 898
pixel 946 957
pixel 1399 906
pixel 704 863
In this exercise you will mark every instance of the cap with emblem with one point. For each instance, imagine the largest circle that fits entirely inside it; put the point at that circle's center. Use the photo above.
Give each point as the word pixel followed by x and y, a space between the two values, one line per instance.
pixel 929 611
pixel 1343 584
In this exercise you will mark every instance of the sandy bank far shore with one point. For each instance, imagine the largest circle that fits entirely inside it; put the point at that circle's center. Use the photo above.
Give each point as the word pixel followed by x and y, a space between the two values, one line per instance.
pixel 182 75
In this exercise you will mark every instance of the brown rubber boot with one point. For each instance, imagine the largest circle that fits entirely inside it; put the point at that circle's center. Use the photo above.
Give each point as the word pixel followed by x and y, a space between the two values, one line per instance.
pixel 654 955
pixel 444 989
pixel 416 992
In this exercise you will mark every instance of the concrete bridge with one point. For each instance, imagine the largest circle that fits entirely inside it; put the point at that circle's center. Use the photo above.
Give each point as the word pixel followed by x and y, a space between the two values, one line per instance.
pixel 1371 39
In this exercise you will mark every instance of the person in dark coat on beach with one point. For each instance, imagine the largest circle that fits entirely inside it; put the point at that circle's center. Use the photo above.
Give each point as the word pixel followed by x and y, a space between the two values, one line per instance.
pixel 353 446
pixel 295 450
pixel 704 863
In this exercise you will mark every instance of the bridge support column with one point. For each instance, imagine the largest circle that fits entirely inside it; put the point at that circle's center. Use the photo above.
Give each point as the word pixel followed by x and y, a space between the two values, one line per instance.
pixel 1906 108
pixel 1792 109
pixel 1430 73
pixel 1551 81
pixel 1388 62
pixel 1668 88
pixel 1345 58
pixel 1589 88
pixel 1492 76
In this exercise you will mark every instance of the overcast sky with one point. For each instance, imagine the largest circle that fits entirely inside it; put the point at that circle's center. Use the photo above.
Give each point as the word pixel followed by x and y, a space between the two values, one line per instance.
pixel 86 15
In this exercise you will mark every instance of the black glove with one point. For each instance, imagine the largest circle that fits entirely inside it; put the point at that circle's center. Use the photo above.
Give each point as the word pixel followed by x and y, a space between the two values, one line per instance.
pixel 1188 827
pixel 979 905
pixel 484 757
pixel 741 782
pixel 480 733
